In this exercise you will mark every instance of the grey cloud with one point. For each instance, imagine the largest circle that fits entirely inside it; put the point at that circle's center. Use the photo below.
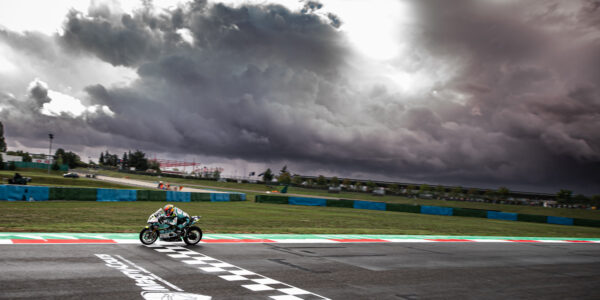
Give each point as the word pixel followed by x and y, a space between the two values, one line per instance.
pixel 265 84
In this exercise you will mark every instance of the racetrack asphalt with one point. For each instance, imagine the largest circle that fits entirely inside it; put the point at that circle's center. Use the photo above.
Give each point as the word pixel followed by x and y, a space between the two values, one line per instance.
pixel 302 271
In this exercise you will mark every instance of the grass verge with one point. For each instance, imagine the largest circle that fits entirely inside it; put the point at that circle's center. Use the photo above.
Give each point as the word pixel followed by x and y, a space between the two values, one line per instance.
pixel 249 217
pixel 55 178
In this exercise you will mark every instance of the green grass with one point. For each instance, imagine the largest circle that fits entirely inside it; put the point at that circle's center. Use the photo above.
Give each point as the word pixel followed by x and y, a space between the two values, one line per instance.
pixel 55 178
pixel 257 189
pixel 249 217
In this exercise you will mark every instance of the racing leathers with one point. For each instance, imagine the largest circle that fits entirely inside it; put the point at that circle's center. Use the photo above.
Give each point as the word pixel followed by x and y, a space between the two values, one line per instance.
pixel 178 218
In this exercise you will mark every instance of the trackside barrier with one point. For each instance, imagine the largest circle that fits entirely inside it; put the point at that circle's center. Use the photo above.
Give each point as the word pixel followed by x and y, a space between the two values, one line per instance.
pixel 80 194
pixel 25 193
pixel 272 199
pixel 532 218
pixel 173 196
pixel 560 220
pixel 146 195
pixel 214 197
pixel 307 201
pixel 42 193
pixel 425 209
pixel 237 197
pixel 116 195
pixel 436 210
pixel 369 205
pixel 498 215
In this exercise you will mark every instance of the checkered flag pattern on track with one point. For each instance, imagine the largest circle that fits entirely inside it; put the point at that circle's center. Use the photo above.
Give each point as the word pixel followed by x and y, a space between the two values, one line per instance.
pixel 252 281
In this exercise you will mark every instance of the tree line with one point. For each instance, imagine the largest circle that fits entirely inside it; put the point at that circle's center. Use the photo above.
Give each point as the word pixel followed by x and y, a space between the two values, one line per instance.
pixel 136 159
pixel 563 196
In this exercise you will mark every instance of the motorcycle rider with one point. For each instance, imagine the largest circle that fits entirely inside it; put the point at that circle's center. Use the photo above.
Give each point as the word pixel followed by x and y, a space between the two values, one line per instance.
pixel 173 216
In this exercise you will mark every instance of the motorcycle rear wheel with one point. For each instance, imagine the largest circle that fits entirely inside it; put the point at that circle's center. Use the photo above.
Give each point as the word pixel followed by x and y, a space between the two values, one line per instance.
pixel 193 235
pixel 148 236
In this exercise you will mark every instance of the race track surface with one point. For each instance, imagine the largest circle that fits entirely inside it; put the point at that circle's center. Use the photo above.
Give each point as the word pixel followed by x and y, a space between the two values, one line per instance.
pixel 450 270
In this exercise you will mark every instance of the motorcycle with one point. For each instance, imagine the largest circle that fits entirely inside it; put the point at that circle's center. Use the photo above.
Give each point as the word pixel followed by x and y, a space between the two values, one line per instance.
pixel 156 229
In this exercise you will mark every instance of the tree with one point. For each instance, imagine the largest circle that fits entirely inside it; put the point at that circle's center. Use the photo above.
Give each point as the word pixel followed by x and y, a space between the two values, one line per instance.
pixel 297 180
pixel 216 174
pixel 58 159
pixel 595 200
pixel 101 159
pixel 581 199
pixel 456 191
pixel 59 152
pixel 490 194
pixel 424 188
pixel 27 157
pixel 440 190
pixel 283 170
pixel 2 141
pixel 346 182
pixel 321 180
pixel 503 192
pixel 371 185
pixel 472 192
pixel 284 178
pixel 12 166
pixel 268 175
pixel 358 185
pixel 69 158
pixel 410 188
pixel 138 160
pixel 154 165
pixel 335 181
pixel 1 161
pixel 394 188
pixel 564 196
pixel 125 162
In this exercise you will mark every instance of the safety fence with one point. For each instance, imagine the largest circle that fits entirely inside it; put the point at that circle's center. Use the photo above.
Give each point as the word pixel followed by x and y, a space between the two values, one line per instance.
pixel 426 209
pixel 43 193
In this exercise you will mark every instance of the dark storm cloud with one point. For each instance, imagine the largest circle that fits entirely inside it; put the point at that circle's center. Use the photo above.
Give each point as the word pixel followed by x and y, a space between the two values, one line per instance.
pixel 530 72
pixel 265 84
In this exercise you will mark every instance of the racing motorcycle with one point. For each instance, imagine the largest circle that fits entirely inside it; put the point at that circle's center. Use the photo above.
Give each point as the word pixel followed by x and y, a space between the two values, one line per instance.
pixel 157 229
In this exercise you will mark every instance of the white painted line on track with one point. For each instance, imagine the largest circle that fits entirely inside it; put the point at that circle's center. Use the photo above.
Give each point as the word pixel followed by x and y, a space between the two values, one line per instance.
pixel 303 241
pixel 6 241
pixel 489 241
pixel 410 241
pixel 62 236
pixel 247 279
pixel 149 273
pixel 31 236
pixel 128 241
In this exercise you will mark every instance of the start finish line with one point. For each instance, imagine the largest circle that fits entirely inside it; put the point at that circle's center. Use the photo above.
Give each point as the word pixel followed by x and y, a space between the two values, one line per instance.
pixel 133 238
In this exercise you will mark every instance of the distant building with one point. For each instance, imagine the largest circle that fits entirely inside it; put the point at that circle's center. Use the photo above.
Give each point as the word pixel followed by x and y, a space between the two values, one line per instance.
pixel 9 158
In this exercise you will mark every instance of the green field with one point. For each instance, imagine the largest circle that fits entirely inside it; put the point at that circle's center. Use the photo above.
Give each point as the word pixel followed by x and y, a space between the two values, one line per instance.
pixel 55 178
pixel 250 217
pixel 252 190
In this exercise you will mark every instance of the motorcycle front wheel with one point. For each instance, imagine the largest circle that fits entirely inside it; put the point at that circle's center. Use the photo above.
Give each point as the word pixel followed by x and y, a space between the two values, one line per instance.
pixel 193 236
pixel 148 236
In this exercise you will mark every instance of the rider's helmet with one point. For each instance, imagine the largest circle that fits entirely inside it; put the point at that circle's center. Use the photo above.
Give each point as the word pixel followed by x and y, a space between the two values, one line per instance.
pixel 168 209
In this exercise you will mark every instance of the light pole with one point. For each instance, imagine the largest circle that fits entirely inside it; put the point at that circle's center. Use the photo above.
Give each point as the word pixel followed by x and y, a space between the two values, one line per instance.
pixel 50 136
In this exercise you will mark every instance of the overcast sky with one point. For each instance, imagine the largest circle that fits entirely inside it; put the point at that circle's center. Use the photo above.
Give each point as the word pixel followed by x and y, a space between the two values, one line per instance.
pixel 483 93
